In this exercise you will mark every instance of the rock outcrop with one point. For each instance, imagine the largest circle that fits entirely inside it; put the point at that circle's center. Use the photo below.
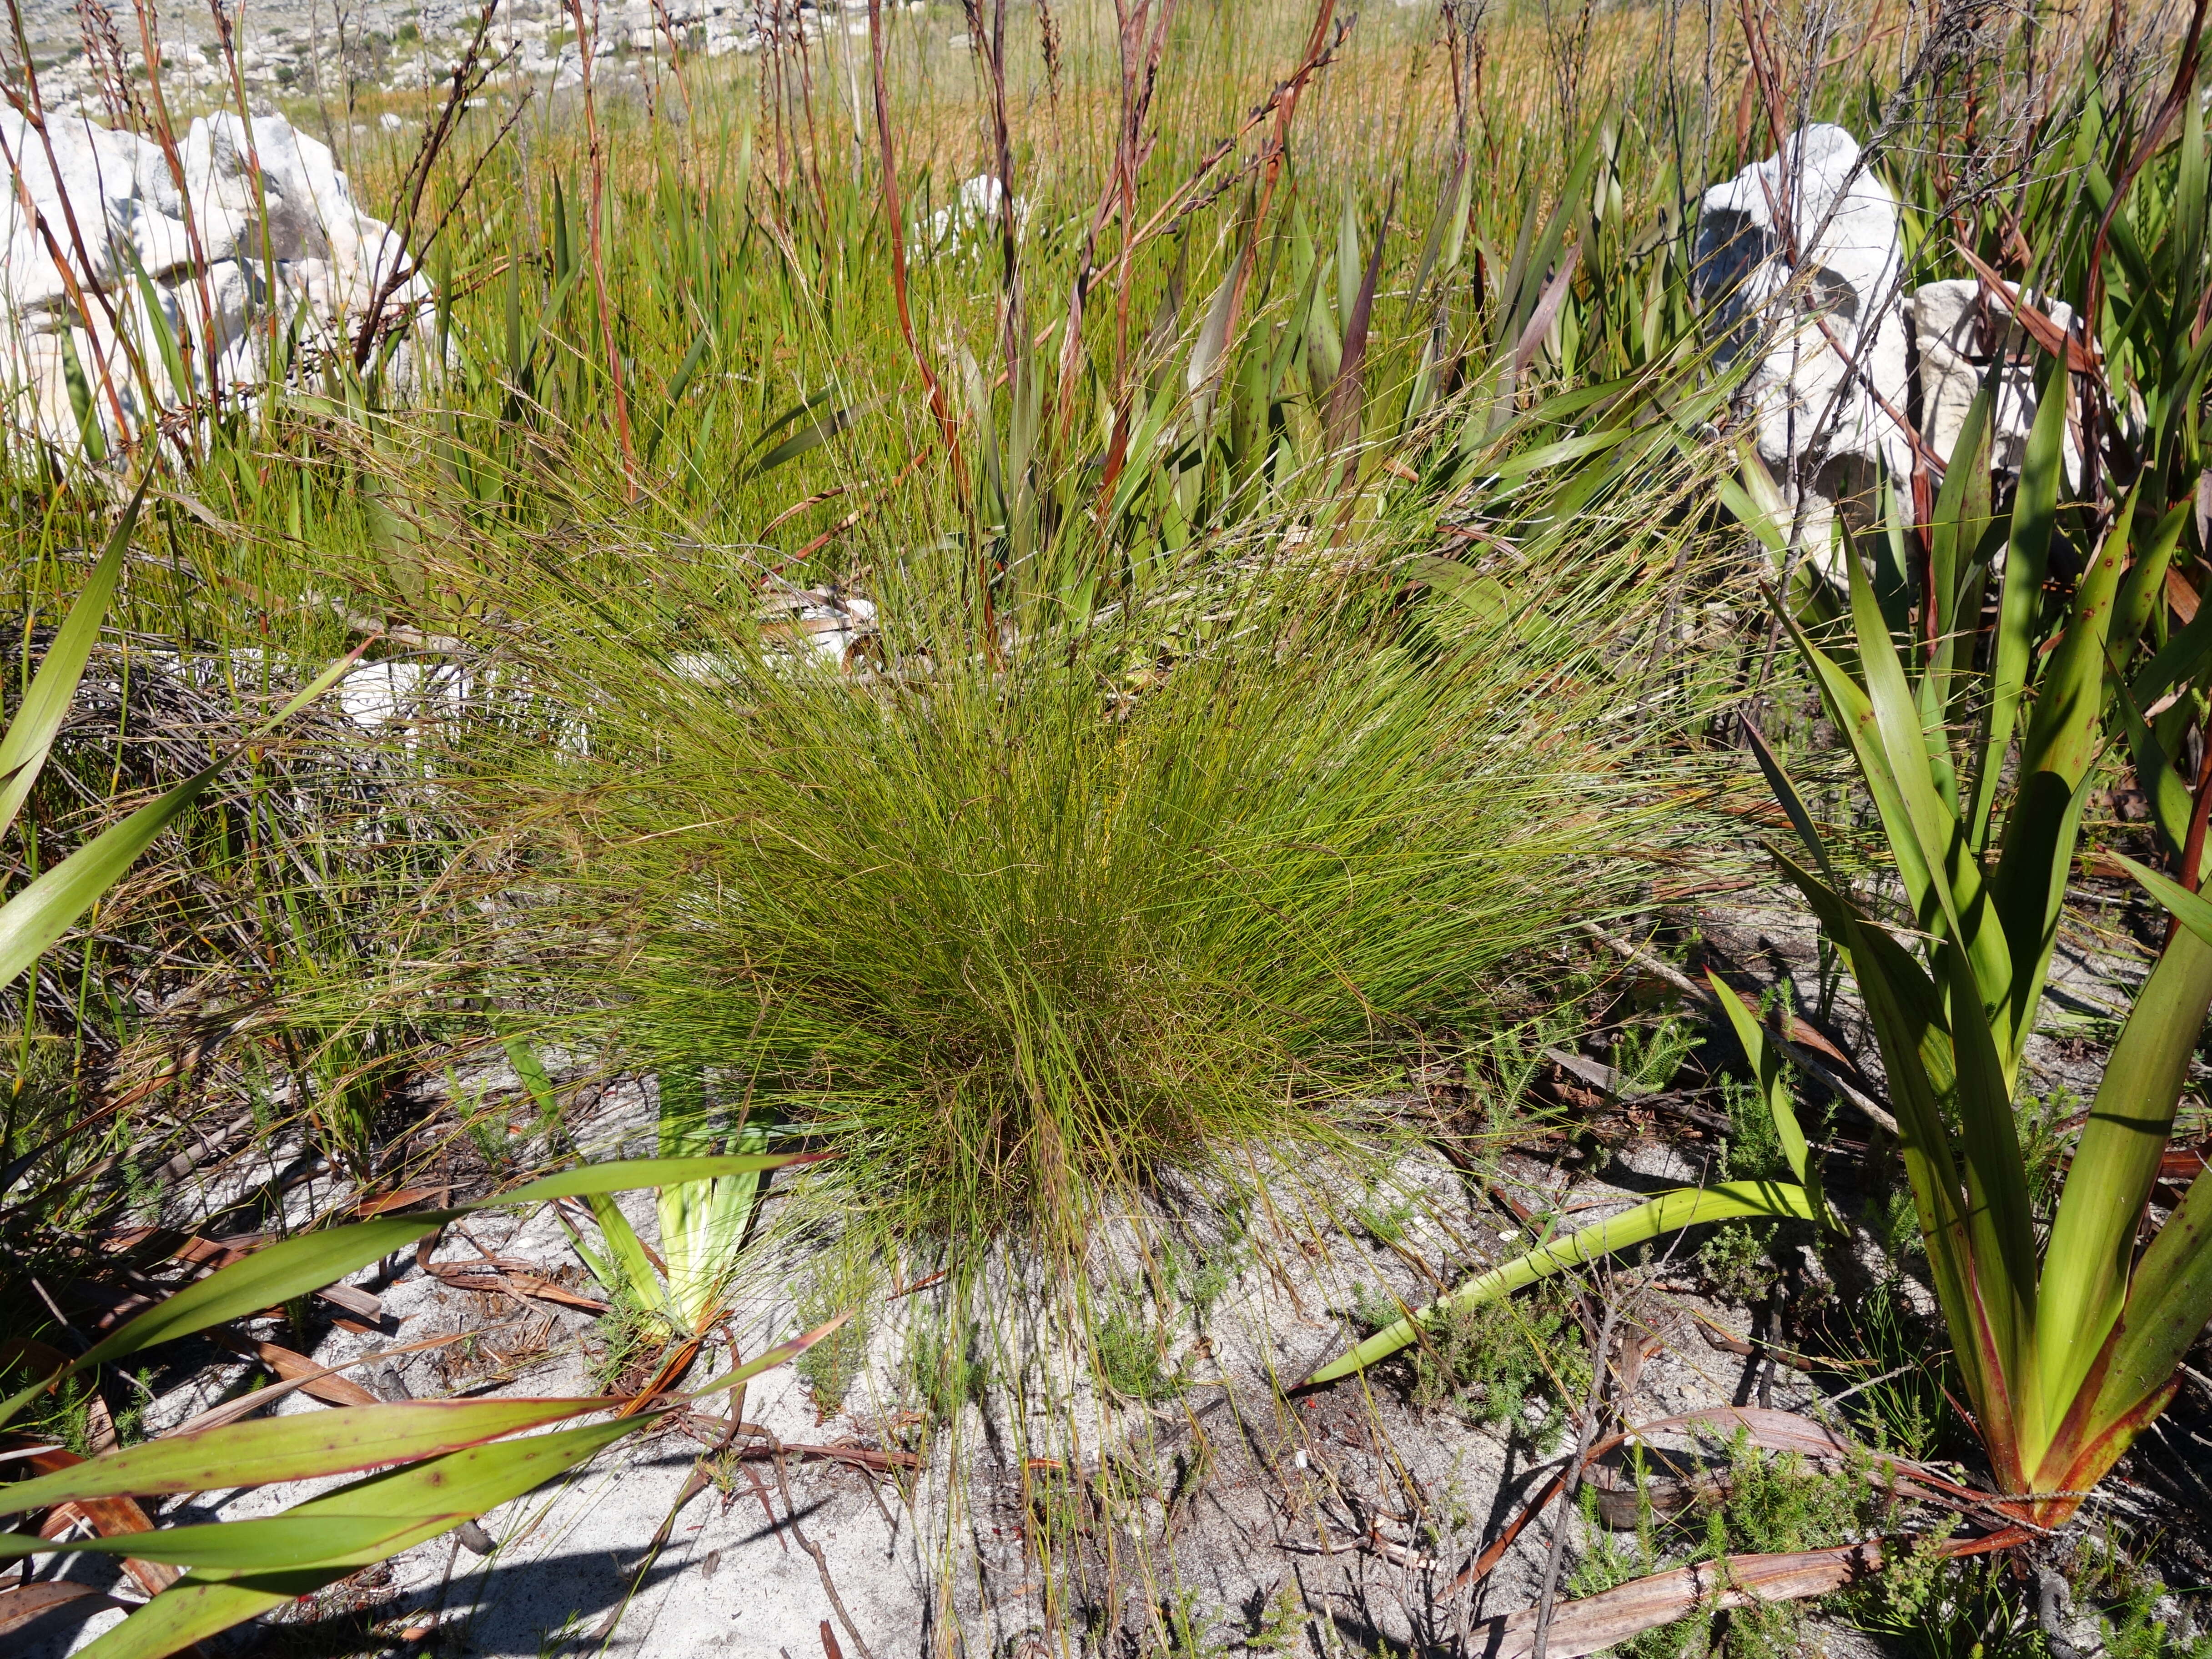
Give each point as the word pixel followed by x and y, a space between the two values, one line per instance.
pixel 129 293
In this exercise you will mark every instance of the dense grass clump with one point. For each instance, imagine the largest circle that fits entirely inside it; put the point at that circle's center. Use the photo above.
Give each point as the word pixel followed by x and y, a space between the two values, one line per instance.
pixel 1008 925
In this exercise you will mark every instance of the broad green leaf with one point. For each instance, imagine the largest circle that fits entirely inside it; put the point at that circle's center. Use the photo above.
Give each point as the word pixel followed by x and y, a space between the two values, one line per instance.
pixel 1962 512
pixel 2091 1246
pixel 625 1253
pixel 2034 514
pixel 1927 832
pixel 197 1608
pixel 2167 1307
pixel 1546 457
pixel 45 705
pixel 626 1174
pixel 187 1612
pixel 1906 1011
pixel 1748 513
pixel 272 1275
pixel 221 1547
pixel 403 1507
pixel 1792 804
pixel 811 436
pixel 2144 586
pixel 2170 805
pixel 1999 1221
pixel 2043 820
pixel 45 910
pixel 290 1449
pixel 1853 712
pixel 1685 1206
pixel 2192 910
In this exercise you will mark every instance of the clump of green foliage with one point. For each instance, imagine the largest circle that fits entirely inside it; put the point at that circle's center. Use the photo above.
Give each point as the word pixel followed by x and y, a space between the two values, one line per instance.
pixel 1489 1364
pixel 844 1282
pixel 1010 932
pixel 945 1367
pixel 1128 1354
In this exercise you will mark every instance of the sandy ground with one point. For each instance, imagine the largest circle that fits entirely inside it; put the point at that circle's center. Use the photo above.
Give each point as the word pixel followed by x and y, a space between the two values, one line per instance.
pixel 1221 1510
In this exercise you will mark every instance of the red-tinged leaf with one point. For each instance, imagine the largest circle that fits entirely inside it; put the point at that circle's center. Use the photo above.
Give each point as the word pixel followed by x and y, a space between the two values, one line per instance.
pixel 288 1448
pixel 1597 1622
pixel 20 1606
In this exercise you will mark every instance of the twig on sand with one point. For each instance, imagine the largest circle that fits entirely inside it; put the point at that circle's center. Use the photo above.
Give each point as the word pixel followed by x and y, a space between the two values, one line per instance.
pixel 1583 1439
pixel 821 1565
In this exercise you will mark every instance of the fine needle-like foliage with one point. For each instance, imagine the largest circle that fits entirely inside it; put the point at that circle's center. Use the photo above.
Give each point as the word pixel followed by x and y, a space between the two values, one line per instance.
pixel 1007 926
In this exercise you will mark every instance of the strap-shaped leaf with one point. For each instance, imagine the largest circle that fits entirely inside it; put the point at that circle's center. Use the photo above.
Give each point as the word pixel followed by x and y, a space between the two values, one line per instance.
pixel 45 705
pixel 1774 1089
pixel 2143 585
pixel 1931 832
pixel 1962 512
pixel 1841 920
pixel 1792 802
pixel 2091 1245
pixel 2192 910
pixel 2028 557
pixel 2043 821
pixel 2000 1221
pixel 2170 805
pixel 1685 1206
pixel 290 1449
pixel 277 1272
pixel 2167 1308
pixel 1854 715
pixel 45 910
pixel 626 1175
pixel 1904 1008
pixel 625 1253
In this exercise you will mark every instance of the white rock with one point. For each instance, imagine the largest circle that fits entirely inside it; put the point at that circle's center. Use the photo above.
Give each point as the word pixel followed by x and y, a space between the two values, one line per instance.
pixel 1957 338
pixel 389 122
pixel 1798 257
pixel 298 255
pixel 973 213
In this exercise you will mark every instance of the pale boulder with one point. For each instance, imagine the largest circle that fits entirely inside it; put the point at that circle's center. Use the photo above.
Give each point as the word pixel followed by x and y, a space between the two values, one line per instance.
pixel 1798 260
pixel 294 264
pixel 1959 335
